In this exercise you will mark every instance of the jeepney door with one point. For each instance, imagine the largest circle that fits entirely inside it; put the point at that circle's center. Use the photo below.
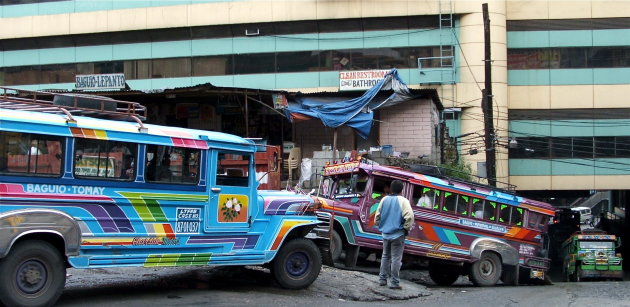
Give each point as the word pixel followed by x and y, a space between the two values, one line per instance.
pixel 378 188
pixel 232 198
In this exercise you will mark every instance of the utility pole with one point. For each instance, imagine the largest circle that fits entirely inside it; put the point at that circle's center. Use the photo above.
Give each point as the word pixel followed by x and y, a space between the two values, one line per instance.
pixel 486 104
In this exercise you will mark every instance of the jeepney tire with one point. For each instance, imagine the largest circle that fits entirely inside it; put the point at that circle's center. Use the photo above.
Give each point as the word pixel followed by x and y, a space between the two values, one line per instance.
pixel 511 275
pixel 30 260
pixel 336 245
pixel 443 276
pixel 297 264
pixel 486 271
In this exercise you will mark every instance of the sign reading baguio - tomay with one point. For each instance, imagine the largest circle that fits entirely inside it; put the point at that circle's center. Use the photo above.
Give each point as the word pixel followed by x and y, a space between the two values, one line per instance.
pixel 87 192
pixel 461 228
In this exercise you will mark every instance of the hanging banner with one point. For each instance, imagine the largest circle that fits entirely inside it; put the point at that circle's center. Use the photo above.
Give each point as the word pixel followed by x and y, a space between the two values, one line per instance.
pixel 360 79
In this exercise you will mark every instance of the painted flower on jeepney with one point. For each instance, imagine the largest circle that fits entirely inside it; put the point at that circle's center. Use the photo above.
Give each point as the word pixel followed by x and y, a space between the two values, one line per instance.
pixel 231 209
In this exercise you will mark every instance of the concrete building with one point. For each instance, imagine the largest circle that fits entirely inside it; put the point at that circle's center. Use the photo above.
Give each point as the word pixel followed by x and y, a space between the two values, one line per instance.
pixel 559 68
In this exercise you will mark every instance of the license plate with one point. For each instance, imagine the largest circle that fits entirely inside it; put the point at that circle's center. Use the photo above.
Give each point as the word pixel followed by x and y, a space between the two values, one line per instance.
pixel 537 274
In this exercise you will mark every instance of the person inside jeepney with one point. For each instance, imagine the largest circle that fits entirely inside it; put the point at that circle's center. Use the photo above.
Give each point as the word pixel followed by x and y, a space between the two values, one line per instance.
pixel 426 201
pixel 380 190
pixel 478 210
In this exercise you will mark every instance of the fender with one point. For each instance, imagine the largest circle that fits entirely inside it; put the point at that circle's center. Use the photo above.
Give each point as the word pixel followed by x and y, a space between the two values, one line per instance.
pixel 18 223
pixel 509 255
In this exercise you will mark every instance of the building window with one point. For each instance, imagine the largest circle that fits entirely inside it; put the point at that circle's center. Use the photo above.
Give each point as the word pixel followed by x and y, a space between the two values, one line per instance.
pixel 569 57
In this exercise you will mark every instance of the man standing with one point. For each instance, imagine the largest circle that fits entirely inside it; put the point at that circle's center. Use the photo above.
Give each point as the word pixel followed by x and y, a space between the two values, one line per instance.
pixel 394 218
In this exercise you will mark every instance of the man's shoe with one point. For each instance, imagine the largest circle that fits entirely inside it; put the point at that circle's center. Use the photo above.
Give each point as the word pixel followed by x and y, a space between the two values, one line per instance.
pixel 395 287
pixel 382 283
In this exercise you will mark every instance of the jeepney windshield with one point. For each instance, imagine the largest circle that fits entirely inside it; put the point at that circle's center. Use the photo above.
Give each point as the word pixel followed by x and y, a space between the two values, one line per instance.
pixel 349 185
pixel 597 245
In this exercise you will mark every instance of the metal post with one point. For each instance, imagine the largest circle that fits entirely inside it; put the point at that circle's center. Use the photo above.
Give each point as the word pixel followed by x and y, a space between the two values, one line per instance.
pixel 487 104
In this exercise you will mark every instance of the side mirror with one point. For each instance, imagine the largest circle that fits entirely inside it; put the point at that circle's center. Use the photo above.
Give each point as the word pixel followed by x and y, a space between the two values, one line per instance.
pixel 618 243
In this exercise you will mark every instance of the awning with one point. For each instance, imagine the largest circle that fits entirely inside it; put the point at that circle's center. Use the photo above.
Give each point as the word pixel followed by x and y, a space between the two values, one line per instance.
pixel 357 112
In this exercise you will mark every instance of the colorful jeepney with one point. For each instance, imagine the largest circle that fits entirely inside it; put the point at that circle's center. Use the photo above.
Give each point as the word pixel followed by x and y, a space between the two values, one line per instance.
pixel 461 228
pixel 591 255
pixel 86 192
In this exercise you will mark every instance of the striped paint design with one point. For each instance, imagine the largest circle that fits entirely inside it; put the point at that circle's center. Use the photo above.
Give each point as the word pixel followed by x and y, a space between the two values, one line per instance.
pixel 177 260
pixel 148 207
pixel 88 133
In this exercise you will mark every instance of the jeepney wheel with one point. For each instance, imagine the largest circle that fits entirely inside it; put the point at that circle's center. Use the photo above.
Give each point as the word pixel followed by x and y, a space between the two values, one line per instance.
pixel 297 264
pixel 336 245
pixel 32 274
pixel 443 276
pixel 486 271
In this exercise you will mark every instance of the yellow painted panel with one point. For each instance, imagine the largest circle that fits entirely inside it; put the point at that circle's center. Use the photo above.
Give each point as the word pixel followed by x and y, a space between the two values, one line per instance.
pixel 527 9
pixel 327 9
pixel 88 22
pixel 378 8
pixel 572 183
pixel 425 7
pixel 167 17
pixel 569 9
pixel 531 182
pixel 611 96
pixel 16 27
pixel 611 182
pixel 250 11
pixel 209 13
pixel 127 20
pixel 571 97
pixel 293 10
pixel 607 9
pixel 529 97
pixel 52 25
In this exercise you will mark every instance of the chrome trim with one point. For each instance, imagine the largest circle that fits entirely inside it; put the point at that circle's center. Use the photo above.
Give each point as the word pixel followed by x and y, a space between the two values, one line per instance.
pixel 509 255
pixel 18 223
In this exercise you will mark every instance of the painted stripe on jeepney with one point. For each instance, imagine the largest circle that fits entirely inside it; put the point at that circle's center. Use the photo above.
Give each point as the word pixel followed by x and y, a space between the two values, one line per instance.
pixel 284 230
pixel 106 241
pixel 163 230
pixel 148 207
pixel 89 133
pixel 327 206
pixel 189 143
pixel 157 260
pixel 106 213
pixel 347 228
pixel 238 242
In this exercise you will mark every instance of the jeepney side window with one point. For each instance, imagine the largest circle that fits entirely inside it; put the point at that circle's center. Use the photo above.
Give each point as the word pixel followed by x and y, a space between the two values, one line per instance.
pixel 543 222
pixel 325 188
pixel 30 154
pixel 450 202
pixel 477 208
pixel 169 164
pixel 380 188
pixel 233 169
pixel 423 197
pixel 517 216
pixel 504 213
pixel 462 204
pixel 490 211
pixel 533 220
pixel 102 159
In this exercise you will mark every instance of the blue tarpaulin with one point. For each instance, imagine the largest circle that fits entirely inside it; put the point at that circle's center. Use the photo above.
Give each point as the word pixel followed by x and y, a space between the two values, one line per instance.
pixel 357 112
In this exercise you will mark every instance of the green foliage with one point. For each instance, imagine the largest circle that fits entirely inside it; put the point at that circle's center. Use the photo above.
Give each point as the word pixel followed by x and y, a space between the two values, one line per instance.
pixel 459 169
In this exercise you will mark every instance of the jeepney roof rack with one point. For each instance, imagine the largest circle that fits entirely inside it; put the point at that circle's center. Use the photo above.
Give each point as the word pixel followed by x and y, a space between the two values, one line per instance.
pixel 71 104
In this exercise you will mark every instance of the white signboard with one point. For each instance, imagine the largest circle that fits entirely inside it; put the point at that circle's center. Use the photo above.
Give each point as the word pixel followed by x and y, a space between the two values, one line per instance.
pixel 91 82
pixel 360 79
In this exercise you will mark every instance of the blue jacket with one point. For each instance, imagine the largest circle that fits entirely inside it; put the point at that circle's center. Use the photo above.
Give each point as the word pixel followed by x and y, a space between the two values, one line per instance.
pixel 393 216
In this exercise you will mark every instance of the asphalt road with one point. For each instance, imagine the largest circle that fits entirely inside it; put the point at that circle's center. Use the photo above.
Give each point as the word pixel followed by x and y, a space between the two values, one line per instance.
pixel 252 286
